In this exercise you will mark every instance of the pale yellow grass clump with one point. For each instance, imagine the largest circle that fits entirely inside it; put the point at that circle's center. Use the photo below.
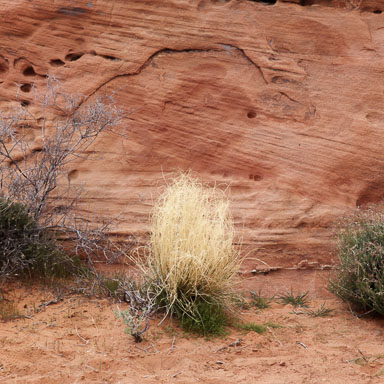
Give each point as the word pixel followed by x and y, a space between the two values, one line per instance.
pixel 192 245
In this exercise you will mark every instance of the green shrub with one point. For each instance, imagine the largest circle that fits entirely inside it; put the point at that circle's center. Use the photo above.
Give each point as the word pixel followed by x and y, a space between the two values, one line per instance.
pixel 204 318
pixel 193 262
pixel 360 277
pixel 25 248
pixel 17 237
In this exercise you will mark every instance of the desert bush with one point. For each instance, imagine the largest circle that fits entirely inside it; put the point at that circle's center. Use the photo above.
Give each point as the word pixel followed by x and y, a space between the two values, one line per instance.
pixel 193 260
pixel 360 276
pixel 38 206
pixel 25 248
pixel 17 237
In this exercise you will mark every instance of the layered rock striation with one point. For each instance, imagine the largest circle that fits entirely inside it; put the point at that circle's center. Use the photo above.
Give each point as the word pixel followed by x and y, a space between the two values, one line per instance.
pixel 281 100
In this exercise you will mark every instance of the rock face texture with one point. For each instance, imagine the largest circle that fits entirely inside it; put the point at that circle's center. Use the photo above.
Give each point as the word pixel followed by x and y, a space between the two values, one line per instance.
pixel 282 100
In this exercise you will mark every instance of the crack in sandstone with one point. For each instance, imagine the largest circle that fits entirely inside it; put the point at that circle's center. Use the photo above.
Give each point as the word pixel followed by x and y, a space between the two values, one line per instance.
pixel 250 61
pixel 170 51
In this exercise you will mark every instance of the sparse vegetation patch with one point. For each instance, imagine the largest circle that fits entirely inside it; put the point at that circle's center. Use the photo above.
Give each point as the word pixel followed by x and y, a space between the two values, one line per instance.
pixel 298 300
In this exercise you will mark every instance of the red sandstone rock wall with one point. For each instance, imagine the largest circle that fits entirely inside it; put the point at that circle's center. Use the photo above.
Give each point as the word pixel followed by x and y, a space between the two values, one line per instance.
pixel 284 102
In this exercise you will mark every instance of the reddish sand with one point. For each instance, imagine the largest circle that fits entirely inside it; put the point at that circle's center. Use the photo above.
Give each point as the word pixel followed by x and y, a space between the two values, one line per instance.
pixel 79 340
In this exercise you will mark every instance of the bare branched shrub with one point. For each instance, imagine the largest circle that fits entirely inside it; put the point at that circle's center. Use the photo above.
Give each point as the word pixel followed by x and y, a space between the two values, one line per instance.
pixel 142 305
pixel 34 175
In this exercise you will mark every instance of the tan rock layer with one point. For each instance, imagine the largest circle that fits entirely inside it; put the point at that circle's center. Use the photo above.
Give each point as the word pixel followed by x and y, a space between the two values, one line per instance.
pixel 283 102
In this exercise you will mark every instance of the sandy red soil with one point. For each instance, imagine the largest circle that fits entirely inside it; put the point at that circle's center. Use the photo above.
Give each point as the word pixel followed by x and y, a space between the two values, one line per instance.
pixel 80 340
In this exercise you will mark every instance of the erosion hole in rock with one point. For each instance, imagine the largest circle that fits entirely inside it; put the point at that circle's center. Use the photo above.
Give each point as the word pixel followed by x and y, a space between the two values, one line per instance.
pixel 74 56
pixel 251 114
pixel 25 103
pixel 3 68
pixel 56 63
pixel 37 150
pixel 29 71
pixel 377 11
pixel 373 193
pixel 255 177
pixel 265 2
pixel 26 88
pixel 4 65
pixel 73 174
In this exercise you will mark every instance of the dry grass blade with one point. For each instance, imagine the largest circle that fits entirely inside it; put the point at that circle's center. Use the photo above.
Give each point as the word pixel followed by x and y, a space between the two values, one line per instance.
pixel 192 246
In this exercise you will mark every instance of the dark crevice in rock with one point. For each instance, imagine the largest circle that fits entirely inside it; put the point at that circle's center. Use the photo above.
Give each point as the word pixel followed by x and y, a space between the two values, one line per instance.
pixel 250 61
pixel 106 57
pixel 305 3
pixel 4 64
pixel 56 63
pixel 169 51
pixel 29 71
pixel 111 58
pixel 73 174
pixel 26 88
pixel 37 150
pixel 264 2
pixel 341 4
pixel 74 56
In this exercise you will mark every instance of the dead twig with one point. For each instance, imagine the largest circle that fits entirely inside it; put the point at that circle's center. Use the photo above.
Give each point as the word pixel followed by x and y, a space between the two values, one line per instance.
pixel 81 337
pixel 172 346
pixel 236 343
pixel 274 336
pixel 56 300
pixel 142 349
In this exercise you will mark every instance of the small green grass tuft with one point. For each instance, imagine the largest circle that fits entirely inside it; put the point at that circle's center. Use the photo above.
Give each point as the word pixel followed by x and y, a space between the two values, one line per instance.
pixel 299 300
pixel 204 318
pixel 258 301
pixel 241 302
pixel 112 286
pixel 323 311
pixel 258 328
